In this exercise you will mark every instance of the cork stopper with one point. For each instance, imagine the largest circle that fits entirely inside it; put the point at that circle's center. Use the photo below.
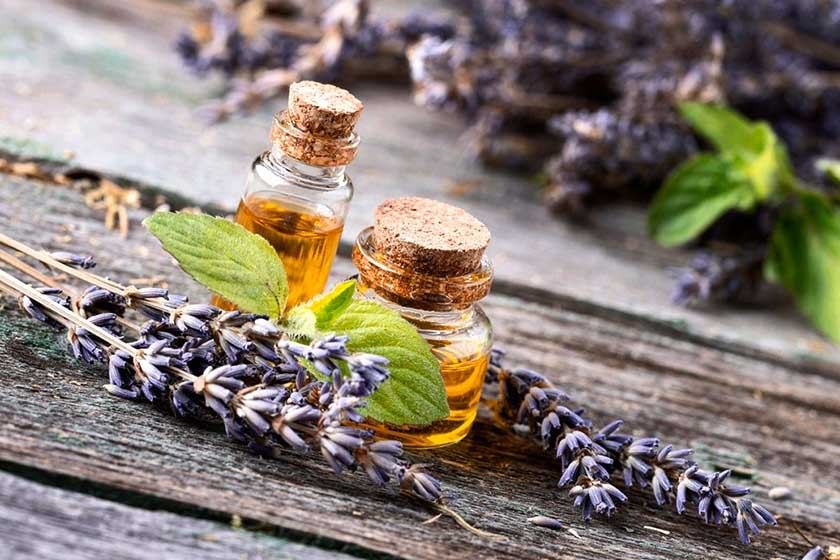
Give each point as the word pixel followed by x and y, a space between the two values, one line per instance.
pixel 429 237
pixel 317 127
pixel 323 109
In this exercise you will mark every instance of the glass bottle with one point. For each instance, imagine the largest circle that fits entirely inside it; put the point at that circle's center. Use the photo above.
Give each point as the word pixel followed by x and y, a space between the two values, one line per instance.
pixel 297 193
pixel 445 312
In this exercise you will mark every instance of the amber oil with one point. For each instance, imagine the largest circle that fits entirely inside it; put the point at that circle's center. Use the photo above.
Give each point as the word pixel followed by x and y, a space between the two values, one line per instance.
pixel 445 313
pixel 306 241
pixel 463 364
pixel 298 192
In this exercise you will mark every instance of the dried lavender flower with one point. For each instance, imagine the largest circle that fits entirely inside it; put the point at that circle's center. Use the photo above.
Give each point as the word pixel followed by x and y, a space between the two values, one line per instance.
pixel 815 553
pixel 73 259
pixel 710 277
pixel 238 366
pixel 589 459
pixel 750 518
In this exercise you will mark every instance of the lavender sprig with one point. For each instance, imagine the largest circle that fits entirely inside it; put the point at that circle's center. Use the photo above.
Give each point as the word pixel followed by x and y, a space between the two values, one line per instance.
pixel 589 459
pixel 236 366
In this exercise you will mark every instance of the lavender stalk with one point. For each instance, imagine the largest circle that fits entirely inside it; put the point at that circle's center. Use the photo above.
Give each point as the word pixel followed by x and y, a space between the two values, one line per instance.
pixel 590 459
pixel 196 360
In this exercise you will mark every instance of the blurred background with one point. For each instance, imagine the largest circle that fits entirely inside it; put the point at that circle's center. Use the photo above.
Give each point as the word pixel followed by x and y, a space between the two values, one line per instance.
pixel 554 122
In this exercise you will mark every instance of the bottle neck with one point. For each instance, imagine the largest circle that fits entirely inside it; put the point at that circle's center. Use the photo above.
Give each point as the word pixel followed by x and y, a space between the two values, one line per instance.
pixel 410 289
pixel 426 319
pixel 291 169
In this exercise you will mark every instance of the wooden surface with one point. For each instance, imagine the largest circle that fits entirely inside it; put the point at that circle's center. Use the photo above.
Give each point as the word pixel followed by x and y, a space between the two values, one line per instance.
pixel 43 522
pixel 741 408
pixel 100 79
pixel 754 388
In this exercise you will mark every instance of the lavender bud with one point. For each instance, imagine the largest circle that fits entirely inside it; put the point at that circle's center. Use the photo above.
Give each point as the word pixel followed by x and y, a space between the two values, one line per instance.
pixel 73 259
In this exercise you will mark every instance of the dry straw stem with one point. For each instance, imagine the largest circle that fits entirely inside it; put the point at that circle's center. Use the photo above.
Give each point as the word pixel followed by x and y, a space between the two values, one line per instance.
pixel 49 260
pixel 17 287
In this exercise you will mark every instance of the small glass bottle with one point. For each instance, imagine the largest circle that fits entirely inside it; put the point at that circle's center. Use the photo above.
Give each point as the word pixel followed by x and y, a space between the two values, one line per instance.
pixel 425 259
pixel 297 193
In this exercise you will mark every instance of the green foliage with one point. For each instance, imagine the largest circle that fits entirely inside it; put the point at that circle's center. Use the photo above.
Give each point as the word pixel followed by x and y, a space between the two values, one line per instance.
pixel 240 266
pixel 696 194
pixel 751 166
pixel 415 393
pixel 725 129
pixel 804 257
pixel 831 168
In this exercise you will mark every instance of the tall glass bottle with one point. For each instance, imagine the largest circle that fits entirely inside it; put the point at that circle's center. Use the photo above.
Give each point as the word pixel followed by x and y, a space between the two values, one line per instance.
pixel 298 193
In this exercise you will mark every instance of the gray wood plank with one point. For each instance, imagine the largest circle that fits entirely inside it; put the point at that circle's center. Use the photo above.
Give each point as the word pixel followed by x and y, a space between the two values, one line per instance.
pixel 100 79
pixel 779 420
pixel 38 521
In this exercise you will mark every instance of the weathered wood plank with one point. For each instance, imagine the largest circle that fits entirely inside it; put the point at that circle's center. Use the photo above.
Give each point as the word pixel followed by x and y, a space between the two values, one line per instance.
pixel 101 79
pixel 783 423
pixel 38 521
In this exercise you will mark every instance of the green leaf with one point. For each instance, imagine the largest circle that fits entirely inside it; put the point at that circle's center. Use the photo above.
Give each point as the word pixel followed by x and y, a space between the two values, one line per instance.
pixel 695 195
pixel 804 257
pixel 414 394
pixel 302 319
pixel 240 266
pixel 764 157
pixel 830 167
pixel 327 306
pixel 763 167
pixel 727 130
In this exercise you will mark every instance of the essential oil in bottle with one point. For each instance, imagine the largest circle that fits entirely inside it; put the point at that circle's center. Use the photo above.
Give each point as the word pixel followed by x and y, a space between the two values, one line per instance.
pixel 298 193
pixel 425 259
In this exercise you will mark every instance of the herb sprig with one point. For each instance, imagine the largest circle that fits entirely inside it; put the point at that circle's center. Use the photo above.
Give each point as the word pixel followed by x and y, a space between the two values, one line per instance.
pixel 750 172
pixel 243 268
pixel 591 459
pixel 195 360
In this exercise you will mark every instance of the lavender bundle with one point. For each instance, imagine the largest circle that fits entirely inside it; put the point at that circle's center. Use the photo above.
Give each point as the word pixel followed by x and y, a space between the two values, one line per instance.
pixel 591 458
pixel 271 392
pixel 589 88
pixel 336 42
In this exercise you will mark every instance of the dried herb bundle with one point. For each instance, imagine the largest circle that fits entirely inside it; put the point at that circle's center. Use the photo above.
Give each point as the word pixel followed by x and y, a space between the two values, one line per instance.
pixel 270 391
pixel 592 86
pixel 590 459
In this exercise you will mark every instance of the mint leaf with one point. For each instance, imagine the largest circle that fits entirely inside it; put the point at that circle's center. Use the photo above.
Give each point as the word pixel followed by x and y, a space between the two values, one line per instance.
pixel 804 257
pixel 328 306
pixel 302 319
pixel 764 166
pixel 723 128
pixel 830 167
pixel 695 195
pixel 240 266
pixel 414 394
pixel 764 157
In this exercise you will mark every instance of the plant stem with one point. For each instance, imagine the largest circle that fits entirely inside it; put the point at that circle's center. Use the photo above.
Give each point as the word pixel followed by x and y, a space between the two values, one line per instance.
pixel 50 281
pixel 56 309
pixel 24 267
pixel 84 275
pixel 16 287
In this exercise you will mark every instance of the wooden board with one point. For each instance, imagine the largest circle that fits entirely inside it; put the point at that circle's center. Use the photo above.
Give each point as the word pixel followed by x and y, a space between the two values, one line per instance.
pixel 737 406
pixel 100 79
pixel 37 521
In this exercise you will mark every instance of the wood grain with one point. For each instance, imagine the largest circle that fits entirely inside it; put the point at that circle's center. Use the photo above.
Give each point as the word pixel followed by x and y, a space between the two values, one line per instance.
pixel 775 420
pixel 100 79
pixel 38 521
